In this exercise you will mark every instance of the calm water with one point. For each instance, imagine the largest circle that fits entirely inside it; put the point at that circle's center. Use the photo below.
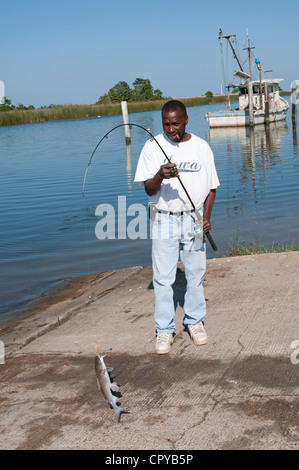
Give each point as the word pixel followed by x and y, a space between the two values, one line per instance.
pixel 47 230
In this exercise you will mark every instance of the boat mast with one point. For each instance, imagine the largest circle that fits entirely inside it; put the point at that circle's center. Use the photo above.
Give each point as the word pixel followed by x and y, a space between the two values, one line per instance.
pixel 248 48
pixel 250 88
pixel 235 56
pixel 249 83
pixel 234 53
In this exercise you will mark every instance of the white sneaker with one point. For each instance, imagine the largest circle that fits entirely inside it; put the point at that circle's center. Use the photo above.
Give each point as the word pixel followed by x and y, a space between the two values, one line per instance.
pixel 163 343
pixel 198 333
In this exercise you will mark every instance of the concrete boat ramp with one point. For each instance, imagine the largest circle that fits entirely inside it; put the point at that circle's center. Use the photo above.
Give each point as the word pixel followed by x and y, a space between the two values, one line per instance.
pixel 238 392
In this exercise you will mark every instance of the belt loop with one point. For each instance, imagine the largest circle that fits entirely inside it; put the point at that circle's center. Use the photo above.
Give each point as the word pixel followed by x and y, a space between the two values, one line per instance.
pixel 152 211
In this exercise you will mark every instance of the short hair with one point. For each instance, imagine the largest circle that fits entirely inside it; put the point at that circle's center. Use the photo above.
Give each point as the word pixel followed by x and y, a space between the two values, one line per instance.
pixel 173 105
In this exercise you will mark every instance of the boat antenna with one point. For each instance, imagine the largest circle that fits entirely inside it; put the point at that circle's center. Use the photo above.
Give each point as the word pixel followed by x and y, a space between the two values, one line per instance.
pixel 248 48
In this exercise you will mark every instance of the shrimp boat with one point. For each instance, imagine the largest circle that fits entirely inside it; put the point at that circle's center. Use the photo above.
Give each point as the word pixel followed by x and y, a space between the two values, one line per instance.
pixel 259 100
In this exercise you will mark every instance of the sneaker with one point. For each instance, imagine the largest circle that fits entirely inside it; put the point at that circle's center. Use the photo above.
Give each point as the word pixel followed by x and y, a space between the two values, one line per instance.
pixel 163 343
pixel 198 333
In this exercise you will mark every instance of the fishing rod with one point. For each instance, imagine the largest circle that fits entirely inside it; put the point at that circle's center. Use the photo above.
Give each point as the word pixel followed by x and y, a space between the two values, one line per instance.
pixel 207 234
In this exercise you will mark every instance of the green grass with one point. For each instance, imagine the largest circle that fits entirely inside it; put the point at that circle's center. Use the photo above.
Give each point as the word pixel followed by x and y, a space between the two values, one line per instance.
pixel 237 248
pixel 54 113
pixel 9 118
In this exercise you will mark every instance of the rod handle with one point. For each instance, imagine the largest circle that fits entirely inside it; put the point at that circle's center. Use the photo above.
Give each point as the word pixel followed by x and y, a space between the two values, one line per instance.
pixel 212 243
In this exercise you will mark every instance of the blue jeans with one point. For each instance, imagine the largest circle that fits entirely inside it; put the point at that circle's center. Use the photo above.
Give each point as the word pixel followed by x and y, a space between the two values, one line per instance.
pixel 172 240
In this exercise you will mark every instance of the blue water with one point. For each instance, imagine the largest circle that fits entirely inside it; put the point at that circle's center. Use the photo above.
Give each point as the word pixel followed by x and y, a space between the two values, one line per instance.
pixel 47 230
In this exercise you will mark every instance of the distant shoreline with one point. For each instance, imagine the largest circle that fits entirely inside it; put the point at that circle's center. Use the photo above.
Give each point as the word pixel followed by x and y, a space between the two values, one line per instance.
pixel 79 111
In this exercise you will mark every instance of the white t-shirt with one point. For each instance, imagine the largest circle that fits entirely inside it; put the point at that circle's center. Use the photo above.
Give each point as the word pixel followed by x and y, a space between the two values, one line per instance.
pixel 195 162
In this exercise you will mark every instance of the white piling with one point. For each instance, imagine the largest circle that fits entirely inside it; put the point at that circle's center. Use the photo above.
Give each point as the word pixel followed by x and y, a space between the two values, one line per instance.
pixel 250 100
pixel 124 109
pixel 2 92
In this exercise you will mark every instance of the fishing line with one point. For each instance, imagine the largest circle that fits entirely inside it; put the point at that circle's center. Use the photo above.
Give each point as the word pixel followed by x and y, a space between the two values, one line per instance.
pixel 207 234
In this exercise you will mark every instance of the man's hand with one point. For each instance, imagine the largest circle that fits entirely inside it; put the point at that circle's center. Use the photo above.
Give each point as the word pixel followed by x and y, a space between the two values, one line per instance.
pixel 206 224
pixel 168 171
pixel 153 185
pixel 208 206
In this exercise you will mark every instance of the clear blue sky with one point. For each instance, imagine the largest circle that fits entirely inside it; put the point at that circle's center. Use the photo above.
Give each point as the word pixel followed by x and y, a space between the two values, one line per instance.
pixel 69 51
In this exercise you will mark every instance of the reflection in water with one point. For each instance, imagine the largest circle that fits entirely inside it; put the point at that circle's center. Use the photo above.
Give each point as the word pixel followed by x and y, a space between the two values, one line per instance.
pixel 129 157
pixel 260 150
pixel 129 166
pixel 294 109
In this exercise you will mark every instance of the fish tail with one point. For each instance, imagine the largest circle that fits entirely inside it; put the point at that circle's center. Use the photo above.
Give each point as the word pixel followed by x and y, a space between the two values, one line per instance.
pixel 119 411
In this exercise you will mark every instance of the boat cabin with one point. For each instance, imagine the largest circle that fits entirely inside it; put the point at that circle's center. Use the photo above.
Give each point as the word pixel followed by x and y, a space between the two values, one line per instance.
pixel 267 87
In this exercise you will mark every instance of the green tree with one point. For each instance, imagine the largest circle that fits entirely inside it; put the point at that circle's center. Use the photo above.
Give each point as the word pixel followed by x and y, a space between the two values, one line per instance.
pixel 143 90
pixel 103 99
pixel 120 92
pixel 158 95
pixel 6 106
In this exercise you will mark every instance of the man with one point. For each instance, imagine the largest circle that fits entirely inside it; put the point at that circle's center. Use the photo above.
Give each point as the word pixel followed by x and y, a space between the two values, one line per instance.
pixel 174 222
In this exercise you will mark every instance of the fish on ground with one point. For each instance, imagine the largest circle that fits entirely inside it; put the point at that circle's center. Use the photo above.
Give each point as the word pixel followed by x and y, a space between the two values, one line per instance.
pixel 105 385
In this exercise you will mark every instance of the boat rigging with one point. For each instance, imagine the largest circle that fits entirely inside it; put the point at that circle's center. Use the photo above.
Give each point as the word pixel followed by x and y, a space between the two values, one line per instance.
pixel 259 100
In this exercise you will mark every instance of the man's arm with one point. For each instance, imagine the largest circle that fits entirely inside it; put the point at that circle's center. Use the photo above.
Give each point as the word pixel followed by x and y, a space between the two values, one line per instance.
pixel 208 206
pixel 153 185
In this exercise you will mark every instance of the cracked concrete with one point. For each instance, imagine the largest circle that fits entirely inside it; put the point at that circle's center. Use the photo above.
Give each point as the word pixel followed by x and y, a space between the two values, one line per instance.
pixel 240 391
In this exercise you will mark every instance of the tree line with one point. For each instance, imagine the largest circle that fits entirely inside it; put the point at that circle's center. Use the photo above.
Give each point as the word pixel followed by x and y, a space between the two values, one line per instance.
pixel 8 106
pixel 142 91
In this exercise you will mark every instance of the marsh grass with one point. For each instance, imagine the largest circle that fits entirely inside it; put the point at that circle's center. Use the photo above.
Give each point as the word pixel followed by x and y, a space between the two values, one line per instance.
pixel 237 248
pixel 55 113
pixel 9 118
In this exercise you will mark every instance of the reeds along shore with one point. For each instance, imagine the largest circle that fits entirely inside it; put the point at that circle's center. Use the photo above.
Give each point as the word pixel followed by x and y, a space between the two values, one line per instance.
pixel 14 117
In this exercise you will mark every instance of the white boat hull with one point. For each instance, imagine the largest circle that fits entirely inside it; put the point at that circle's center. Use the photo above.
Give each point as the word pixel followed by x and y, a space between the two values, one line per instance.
pixel 235 118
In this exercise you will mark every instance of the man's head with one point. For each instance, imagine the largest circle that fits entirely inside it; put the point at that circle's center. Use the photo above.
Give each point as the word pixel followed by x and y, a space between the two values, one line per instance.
pixel 174 120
